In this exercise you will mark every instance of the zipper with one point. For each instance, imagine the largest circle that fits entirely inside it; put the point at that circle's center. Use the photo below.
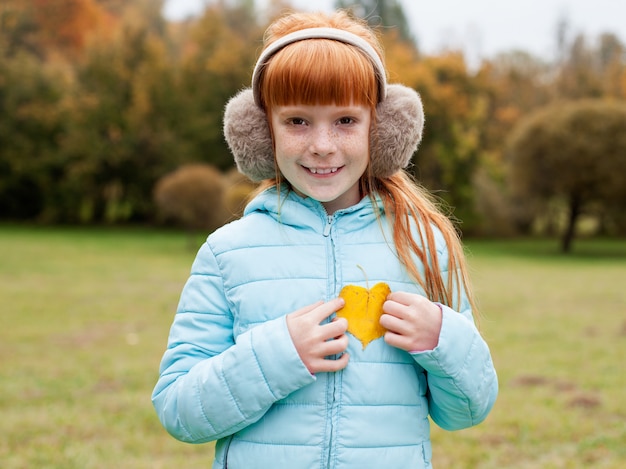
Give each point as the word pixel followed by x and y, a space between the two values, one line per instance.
pixel 330 219
pixel 330 433
pixel 328 225
pixel 226 449
pixel 332 377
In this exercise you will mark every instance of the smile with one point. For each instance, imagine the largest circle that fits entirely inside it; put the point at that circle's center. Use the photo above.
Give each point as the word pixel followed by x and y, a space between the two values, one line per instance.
pixel 323 170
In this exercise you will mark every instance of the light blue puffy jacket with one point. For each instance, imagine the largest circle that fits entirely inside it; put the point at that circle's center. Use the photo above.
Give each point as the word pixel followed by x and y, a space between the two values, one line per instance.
pixel 231 372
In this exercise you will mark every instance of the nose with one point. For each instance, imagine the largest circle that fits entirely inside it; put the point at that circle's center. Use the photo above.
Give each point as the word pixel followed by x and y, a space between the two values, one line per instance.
pixel 323 141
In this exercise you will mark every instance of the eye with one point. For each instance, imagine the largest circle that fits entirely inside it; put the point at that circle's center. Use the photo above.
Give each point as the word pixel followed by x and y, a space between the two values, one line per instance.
pixel 296 121
pixel 346 120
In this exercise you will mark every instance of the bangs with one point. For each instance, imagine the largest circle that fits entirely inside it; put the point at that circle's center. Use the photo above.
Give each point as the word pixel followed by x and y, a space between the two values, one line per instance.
pixel 319 72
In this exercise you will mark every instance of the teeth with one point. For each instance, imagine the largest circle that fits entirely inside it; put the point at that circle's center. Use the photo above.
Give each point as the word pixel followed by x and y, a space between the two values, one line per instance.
pixel 323 171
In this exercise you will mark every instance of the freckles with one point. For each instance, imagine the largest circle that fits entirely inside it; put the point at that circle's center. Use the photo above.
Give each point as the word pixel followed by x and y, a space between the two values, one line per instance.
pixel 294 147
pixel 358 144
pixel 288 144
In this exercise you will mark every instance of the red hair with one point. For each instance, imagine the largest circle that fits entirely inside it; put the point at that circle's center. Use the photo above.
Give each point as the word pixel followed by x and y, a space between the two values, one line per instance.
pixel 320 71
pixel 323 74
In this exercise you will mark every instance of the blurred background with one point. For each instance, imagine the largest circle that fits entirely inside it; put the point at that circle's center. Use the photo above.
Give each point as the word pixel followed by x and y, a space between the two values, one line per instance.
pixel 104 100
pixel 111 153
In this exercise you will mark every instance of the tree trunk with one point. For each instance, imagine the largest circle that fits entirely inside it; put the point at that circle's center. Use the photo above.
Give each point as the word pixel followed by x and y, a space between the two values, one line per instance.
pixel 574 212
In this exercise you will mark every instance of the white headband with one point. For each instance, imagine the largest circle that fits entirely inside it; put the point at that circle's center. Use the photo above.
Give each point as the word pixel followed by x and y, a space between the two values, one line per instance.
pixel 319 33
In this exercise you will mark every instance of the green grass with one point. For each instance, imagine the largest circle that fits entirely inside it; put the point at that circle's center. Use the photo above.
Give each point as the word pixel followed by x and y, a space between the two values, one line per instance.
pixel 556 325
pixel 85 316
pixel 84 321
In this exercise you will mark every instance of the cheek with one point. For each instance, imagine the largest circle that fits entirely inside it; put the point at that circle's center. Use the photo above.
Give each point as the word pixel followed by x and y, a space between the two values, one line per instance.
pixel 359 146
pixel 283 142
pixel 286 153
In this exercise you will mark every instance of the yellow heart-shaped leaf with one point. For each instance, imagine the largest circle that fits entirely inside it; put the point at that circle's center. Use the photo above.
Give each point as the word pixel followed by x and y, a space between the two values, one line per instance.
pixel 363 309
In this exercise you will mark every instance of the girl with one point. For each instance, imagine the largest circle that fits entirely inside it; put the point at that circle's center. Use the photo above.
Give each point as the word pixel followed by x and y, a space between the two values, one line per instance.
pixel 257 357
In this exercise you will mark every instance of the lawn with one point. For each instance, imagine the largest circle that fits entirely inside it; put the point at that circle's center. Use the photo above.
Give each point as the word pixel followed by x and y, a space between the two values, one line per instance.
pixel 85 316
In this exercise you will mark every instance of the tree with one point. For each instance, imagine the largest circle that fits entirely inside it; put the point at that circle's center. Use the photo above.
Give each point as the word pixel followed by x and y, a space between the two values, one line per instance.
pixel 31 124
pixel 383 14
pixel 65 25
pixel 216 64
pixel 120 138
pixel 575 152
pixel 515 82
pixel 510 85
pixel 588 69
pixel 49 29
pixel 18 29
pixel 455 107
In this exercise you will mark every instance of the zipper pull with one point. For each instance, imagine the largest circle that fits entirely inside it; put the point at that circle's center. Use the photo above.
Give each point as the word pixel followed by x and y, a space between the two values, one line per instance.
pixel 329 222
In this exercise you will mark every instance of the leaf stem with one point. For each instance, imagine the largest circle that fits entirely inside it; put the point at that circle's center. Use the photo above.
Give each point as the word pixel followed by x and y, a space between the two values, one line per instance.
pixel 367 283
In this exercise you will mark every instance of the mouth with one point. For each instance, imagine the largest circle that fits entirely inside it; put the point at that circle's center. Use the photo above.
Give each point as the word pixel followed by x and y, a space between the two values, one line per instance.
pixel 321 171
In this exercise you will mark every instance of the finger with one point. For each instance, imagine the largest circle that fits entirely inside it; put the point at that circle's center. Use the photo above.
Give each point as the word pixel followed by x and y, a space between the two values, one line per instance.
pixel 338 325
pixel 324 310
pixel 392 323
pixel 336 346
pixel 405 298
pixel 306 309
pixel 397 340
pixel 330 347
pixel 397 309
pixel 335 365
pixel 341 362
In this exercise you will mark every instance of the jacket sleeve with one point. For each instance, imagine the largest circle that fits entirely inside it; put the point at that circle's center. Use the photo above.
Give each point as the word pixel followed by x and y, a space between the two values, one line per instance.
pixel 211 385
pixel 462 381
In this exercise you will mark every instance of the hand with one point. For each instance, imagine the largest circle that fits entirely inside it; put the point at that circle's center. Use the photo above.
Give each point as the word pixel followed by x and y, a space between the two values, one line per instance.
pixel 315 341
pixel 412 321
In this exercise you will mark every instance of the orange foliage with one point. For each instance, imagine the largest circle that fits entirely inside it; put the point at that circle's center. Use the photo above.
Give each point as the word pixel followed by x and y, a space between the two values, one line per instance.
pixel 65 25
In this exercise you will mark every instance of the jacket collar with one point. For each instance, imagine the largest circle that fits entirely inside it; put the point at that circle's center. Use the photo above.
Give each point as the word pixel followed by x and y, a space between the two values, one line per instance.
pixel 291 209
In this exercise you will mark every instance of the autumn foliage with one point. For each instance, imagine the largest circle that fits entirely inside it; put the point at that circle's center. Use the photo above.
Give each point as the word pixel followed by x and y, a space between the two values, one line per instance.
pixel 100 99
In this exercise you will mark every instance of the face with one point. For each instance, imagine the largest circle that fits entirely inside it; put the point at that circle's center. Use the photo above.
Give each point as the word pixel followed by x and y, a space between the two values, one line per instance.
pixel 323 150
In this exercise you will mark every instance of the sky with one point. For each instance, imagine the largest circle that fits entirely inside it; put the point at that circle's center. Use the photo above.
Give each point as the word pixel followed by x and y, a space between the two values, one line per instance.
pixel 483 28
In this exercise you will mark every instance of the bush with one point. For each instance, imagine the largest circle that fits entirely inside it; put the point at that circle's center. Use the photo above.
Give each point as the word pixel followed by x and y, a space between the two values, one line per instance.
pixel 237 193
pixel 192 196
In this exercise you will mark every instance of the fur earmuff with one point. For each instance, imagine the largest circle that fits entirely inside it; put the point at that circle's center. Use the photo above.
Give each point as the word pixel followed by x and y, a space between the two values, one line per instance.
pixel 248 136
pixel 398 130
pixel 395 136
